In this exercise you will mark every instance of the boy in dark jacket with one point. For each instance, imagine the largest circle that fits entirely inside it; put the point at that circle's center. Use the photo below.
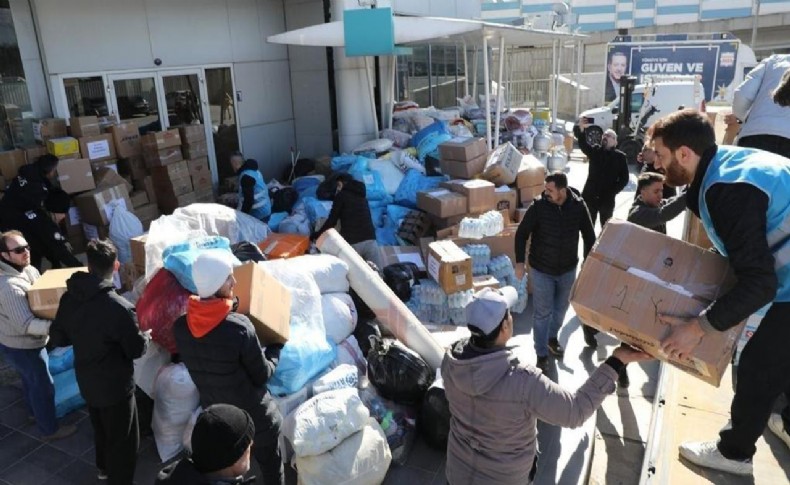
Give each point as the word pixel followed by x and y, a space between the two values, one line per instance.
pixel 224 357
pixel 554 222
pixel 651 209
pixel 102 326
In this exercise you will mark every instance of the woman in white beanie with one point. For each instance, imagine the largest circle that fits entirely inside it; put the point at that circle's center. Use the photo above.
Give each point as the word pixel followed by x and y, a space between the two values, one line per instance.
pixel 224 357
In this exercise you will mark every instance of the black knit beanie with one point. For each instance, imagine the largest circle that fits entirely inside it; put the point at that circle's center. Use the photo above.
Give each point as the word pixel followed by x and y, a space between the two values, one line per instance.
pixel 221 436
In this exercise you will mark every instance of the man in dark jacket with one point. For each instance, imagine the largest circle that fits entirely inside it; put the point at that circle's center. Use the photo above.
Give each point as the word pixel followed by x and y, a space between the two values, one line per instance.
pixel 554 222
pixel 102 326
pixel 221 448
pixel 24 207
pixel 650 209
pixel 224 357
pixel 253 192
pixel 607 175
pixel 350 208
pixel 741 197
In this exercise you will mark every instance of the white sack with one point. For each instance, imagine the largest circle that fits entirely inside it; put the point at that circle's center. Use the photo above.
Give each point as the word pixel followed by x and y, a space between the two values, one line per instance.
pixel 124 226
pixel 324 421
pixel 362 459
pixel 348 352
pixel 341 377
pixel 329 272
pixel 147 367
pixel 175 399
pixel 340 316
pixel 391 176
pixel 186 440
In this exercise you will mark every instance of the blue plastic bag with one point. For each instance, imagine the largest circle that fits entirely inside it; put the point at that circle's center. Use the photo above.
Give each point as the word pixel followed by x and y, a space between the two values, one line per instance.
pixel 395 215
pixel 178 258
pixel 304 183
pixel 61 359
pixel 429 146
pixel 276 219
pixel 437 126
pixel 377 214
pixel 67 393
pixel 386 236
pixel 316 209
pixel 342 163
pixel 303 357
pixel 413 182
pixel 374 187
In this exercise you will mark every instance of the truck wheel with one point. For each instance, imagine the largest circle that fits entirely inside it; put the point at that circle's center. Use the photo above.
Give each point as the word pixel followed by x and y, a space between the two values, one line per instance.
pixel 594 135
pixel 631 148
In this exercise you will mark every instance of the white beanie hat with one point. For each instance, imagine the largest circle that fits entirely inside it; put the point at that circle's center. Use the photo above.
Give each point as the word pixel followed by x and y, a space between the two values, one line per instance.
pixel 211 269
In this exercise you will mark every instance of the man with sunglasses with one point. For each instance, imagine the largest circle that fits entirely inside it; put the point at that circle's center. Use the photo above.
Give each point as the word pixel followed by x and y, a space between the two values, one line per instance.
pixel 496 399
pixel 23 336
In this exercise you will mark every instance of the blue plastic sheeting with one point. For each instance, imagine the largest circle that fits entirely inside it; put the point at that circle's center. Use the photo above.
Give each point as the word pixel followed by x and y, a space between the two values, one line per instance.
pixel 304 357
pixel 437 126
pixel 374 187
pixel 316 209
pixel 429 146
pixel 61 359
pixel 276 219
pixel 310 191
pixel 386 236
pixel 179 258
pixel 413 182
pixel 395 214
pixel 343 162
pixel 303 183
pixel 377 214
pixel 67 393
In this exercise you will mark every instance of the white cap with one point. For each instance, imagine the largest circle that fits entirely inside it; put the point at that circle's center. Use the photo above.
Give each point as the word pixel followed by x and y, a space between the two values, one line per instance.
pixel 211 270
pixel 489 306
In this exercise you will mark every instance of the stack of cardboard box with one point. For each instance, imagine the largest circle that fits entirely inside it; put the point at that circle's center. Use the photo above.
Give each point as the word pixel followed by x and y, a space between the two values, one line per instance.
pixel 10 161
pixel 530 179
pixel 463 158
pixel 162 148
pixel 195 150
pixel 173 186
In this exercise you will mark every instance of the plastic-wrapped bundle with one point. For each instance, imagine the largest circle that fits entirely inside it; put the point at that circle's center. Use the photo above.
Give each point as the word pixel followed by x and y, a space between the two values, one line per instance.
pixel 501 268
pixel 387 236
pixel 316 209
pixel 429 146
pixel 457 316
pixel 397 421
pixel 374 187
pixel 124 226
pixel 162 302
pixel 459 299
pixel 413 182
pixel 340 315
pixel 521 288
pixel 175 399
pixel 341 377
pixel 488 224
pixel 438 127
pixel 399 138
pixel 67 393
pixel 342 163
pixel 481 256
pixel 61 359
pixel 391 176
pixel 397 372
pixel 179 258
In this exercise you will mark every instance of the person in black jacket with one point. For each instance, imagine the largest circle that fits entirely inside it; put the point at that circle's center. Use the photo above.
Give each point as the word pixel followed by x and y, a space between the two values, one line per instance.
pixel 608 172
pixel 24 208
pixel 224 357
pixel 651 209
pixel 554 222
pixel 350 208
pixel 102 326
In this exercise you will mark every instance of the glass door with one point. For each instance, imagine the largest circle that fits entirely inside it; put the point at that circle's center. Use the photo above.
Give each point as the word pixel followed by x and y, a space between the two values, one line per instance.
pixel 222 116
pixel 135 98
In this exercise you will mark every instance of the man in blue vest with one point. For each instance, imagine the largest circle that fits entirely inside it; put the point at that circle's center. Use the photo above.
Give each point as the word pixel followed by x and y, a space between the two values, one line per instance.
pixel 741 196
pixel 253 193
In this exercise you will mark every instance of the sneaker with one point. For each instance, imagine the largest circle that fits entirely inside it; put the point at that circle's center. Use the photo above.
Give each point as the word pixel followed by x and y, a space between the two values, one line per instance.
pixel 706 454
pixel 556 349
pixel 777 425
pixel 62 432
pixel 622 380
pixel 102 475
pixel 543 363
pixel 589 338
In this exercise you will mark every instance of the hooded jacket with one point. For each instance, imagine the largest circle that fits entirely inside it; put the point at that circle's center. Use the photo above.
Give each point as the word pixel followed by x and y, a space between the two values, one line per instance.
pixel 183 472
pixel 753 102
pixel 225 361
pixel 351 208
pixel 554 230
pixel 102 327
pixel 608 171
pixel 495 402
pixel 19 328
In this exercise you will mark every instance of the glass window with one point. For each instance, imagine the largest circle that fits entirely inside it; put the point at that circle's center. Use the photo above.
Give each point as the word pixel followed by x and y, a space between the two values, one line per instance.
pixel 14 96
pixel 86 96
pixel 222 112
pixel 433 75
pixel 137 102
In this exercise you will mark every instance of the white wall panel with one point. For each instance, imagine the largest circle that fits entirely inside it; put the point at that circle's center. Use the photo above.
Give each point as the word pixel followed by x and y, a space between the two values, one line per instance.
pixel 266 92
pixel 245 30
pixel 272 21
pixel 311 103
pixel 270 145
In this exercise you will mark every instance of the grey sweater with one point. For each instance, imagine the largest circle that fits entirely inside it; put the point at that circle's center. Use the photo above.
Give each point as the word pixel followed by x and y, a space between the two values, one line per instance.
pixel 19 328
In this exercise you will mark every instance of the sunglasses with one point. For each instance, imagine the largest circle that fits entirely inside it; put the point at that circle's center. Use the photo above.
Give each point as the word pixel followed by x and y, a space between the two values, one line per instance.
pixel 20 249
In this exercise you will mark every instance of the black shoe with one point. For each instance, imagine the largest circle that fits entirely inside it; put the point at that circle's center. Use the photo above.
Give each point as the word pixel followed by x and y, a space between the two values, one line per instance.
pixel 556 349
pixel 543 363
pixel 589 338
pixel 622 380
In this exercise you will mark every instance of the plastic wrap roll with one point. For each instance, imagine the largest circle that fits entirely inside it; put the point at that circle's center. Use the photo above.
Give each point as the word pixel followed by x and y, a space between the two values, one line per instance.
pixel 389 310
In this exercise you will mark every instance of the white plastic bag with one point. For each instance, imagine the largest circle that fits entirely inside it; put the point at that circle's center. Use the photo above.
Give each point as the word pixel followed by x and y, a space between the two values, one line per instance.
pixel 329 272
pixel 186 441
pixel 147 367
pixel 362 459
pixel 341 377
pixel 324 421
pixel 123 226
pixel 175 399
pixel 348 352
pixel 340 315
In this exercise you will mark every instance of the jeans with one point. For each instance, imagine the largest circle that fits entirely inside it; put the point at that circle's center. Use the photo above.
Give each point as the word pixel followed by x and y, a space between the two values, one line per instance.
pixel 267 453
pixel 550 297
pixel 37 387
pixel 600 206
pixel 116 434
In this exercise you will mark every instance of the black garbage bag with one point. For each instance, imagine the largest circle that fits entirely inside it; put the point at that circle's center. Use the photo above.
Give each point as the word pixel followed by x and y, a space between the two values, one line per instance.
pixel 434 421
pixel 247 251
pixel 397 372
pixel 400 277
pixel 364 330
pixel 283 199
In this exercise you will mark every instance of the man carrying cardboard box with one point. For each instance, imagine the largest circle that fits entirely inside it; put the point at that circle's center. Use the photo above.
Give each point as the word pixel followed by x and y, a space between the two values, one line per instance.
pixel 224 357
pixel 741 196
pixel 23 337
pixel 554 222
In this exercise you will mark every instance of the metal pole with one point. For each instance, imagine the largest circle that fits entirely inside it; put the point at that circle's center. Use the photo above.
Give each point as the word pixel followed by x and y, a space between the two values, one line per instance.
pixel 466 72
pixel 755 15
pixel 430 81
pixel 499 89
pixel 509 77
pixel 371 94
pixel 474 78
pixel 487 82
pixel 579 53
pixel 553 83
pixel 392 100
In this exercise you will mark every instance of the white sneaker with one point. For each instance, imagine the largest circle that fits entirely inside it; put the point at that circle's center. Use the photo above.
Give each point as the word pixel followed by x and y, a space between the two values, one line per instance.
pixel 776 425
pixel 706 454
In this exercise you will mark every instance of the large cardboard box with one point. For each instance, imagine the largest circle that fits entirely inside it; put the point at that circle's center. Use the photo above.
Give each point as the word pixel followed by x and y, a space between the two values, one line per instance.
pixel 265 300
pixel 204 195
pixel 48 128
pixel 199 166
pixel 445 222
pixel 449 266
pixel 196 149
pixel 106 177
pixel 127 140
pixel 503 165
pixel 441 203
pixel 44 295
pixel 694 232
pixel 75 175
pixel 173 179
pixel 134 167
pixel 138 198
pixel 148 186
pixel 165 156
pixel 192 133
pixel 463 149
pixel 503 243
pixel 527 194
pixel 10 161
pixel 506 199
pixel 531 172
pixel 464 170
pixel 633 275
pixel 147 213
pixel 484 281
pixel 63 146
pixel 161 140
pixel 137 248
pixel 168 202
pixel 480 195
pixel 33 153
pixel 84 126
pixel 95 207
pixel 401 254
pixel 98 148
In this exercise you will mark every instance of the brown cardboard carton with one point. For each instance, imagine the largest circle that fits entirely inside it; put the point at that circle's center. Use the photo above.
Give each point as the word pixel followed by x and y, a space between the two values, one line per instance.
pixel 506 199
pixel 137 248
pixel 147 214
pixel 199 166
pixel 98 148
pixel 165 156
pixel 401 254
pixel 106 177
pixel 95 206
pixel 70 156
pixel 503 165
pixel 127 139
pixel 445 222
pixel 134 167
pixel 441 203
pixel 161 140
pixel 75 175
pixel 520 213
pixel 694 232
pixel 464 170
pixel 531 172
pixel 48 128
pixel 148 185
pixel 33 153
pixel 64 146
pixel 449 266
pixel 72 222
pixel 168 202
pixel 503 243
pixel 204 195
pixel 484 281
pixel 480 195
pixel 201 182
pixel 10 161
pixel 84 126
pixel 265 300
pixel 196 149
pixel 192 133
pixel 633 275
pixel 171 171
pixel 463 150
pixel 173 179
pixel 138 198
pixel 44 295
pixel 527 194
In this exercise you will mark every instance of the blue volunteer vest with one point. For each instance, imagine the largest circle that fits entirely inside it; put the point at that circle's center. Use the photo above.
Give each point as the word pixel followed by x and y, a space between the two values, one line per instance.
pixel 261 205
pixel 769 173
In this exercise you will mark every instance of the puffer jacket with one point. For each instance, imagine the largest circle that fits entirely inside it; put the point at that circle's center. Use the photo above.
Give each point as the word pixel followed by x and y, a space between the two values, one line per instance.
pixel 608 169
pixel 351 208
pixel 183 472
pixel 753 102
pixel 495 402
pixel 19 328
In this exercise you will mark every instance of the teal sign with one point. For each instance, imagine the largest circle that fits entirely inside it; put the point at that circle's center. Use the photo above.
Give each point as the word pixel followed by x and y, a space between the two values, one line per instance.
pixel 369 32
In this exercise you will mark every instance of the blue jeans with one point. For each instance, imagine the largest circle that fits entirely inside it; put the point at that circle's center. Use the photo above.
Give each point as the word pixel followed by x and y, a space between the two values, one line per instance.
pixel 550 299
pixel 37 387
